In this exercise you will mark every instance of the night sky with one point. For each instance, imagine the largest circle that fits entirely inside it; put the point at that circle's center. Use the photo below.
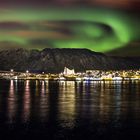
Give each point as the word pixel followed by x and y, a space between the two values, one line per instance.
pixel 99 25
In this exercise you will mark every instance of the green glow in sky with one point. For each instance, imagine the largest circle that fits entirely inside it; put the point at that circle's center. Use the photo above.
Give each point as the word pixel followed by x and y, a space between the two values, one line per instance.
pixel 123 28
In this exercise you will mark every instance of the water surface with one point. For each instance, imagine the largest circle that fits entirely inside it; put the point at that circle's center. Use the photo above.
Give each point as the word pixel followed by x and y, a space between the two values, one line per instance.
pixel 68 110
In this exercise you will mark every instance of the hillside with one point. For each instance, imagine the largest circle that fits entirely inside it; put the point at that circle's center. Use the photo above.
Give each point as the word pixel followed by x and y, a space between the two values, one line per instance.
pixel 54 60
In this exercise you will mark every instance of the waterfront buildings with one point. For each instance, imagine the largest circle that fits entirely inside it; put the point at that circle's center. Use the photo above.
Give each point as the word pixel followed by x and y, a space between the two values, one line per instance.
pixel 68 74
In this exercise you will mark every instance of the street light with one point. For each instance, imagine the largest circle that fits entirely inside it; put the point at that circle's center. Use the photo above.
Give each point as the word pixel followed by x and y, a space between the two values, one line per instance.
pixel 27 71
pixel 12 70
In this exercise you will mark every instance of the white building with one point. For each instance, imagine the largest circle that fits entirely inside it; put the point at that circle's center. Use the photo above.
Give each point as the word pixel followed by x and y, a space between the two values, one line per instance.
pixel 68 71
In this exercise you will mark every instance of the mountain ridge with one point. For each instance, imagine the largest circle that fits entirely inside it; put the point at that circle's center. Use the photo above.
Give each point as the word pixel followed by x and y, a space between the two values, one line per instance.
pixel 53 60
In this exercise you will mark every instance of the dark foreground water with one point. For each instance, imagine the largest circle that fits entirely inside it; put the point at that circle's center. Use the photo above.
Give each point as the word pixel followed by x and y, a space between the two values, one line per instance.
pixel 69 110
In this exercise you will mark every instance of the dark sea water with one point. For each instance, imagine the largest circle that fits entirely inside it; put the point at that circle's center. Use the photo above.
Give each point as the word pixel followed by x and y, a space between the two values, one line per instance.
pixel 69 110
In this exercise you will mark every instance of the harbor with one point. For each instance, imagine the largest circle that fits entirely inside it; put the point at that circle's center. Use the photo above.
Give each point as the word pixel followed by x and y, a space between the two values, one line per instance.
pixel 71 75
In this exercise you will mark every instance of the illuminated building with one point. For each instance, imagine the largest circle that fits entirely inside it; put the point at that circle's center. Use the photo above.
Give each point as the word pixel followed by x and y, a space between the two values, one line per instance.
pixel 68 71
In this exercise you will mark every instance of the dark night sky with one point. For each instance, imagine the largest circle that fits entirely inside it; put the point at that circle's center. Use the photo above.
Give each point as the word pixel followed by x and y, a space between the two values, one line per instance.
pixel 125 4
pixel 99 25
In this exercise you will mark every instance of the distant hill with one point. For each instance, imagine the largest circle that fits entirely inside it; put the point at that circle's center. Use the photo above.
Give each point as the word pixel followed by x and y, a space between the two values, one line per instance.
pixel 132 49
pixel 54 60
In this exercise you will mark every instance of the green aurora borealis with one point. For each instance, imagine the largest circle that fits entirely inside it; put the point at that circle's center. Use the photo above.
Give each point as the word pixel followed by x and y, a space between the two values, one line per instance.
pixel 97 29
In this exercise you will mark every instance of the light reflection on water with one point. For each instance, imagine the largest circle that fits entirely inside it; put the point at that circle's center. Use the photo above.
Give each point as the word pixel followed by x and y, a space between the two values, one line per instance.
pixel 11 102
pixel 26 102
pixel 68 103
